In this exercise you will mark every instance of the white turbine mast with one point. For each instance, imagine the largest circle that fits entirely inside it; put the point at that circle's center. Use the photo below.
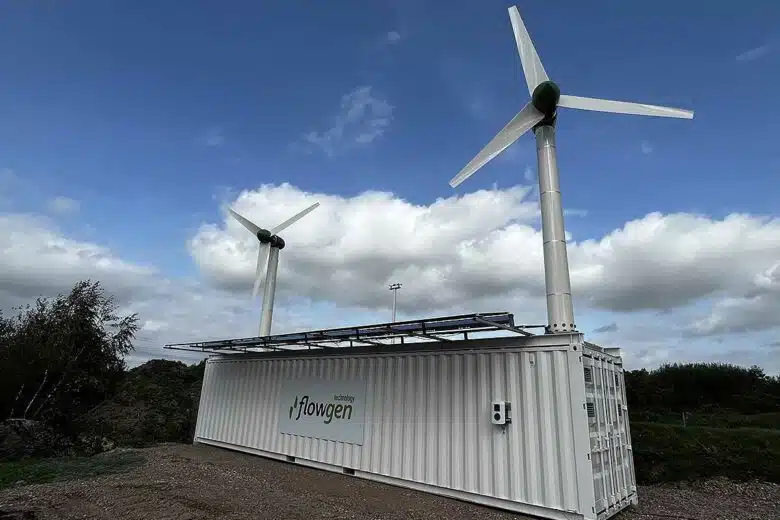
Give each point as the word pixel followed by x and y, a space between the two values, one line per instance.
pixel 268 253
pixel 540 115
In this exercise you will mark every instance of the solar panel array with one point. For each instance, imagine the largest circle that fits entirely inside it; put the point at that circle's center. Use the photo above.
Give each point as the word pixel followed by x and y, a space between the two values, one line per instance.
pixel 431 329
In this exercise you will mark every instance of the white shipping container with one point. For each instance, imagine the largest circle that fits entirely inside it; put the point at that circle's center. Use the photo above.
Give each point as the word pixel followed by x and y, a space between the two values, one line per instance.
pixel 421 416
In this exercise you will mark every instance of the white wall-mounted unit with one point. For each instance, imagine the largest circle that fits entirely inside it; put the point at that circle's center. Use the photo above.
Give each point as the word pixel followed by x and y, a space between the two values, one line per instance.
pixel 420 415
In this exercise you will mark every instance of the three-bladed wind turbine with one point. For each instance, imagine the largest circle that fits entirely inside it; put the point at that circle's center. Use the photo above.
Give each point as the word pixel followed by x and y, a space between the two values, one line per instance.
pixel 540 114
pixel 270 245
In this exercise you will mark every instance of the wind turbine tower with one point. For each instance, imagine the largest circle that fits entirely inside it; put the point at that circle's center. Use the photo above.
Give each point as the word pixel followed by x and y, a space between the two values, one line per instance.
pixel 540 114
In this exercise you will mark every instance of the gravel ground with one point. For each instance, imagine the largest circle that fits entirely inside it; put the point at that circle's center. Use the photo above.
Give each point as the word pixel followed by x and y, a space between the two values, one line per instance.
pixel 201 482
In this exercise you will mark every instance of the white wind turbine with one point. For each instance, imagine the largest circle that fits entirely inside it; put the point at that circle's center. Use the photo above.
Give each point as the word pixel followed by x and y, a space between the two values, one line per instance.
pixel 270 245
pixel 540 115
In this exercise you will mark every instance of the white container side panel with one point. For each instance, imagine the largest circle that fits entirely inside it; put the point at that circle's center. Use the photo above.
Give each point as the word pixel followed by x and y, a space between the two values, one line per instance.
pixel 427 420
pixel 610 437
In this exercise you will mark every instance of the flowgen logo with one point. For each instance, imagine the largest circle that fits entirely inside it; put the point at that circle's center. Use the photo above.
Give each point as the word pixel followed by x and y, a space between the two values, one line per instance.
pixel 336 409
pixel 319 408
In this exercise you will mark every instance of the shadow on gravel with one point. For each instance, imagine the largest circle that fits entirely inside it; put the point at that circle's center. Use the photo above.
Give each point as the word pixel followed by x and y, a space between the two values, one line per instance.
pixel 18 514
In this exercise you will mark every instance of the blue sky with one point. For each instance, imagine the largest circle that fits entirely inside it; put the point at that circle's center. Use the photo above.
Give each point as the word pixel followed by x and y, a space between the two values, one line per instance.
pixel 149 114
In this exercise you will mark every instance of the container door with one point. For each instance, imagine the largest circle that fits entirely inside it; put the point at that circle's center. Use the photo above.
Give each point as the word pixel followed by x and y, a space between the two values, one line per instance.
pixel 610 440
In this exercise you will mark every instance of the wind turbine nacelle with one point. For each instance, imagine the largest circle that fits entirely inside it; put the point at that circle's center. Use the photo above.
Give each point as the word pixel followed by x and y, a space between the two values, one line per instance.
pixel 545 98
pixel 277 242
pixel 264 236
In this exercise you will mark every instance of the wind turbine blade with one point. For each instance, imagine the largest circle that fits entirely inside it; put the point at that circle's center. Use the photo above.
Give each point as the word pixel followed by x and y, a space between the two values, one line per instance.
pixel 532 65
pixel 622 107
pixel 262 260
pixel 520 124
pixel 287 223
pixel 245 222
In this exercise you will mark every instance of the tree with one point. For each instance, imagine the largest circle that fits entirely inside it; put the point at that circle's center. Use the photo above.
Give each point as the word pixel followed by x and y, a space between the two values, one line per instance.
pixel 62 356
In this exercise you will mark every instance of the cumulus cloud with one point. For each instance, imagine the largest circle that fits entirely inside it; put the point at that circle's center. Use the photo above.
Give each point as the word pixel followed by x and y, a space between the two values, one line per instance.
pixel 757 309
pixel 486 245
pixel 364 116
pixel 37 259
pixel 755 53
pixel 63 205
pixel 668 261
pixel 364 242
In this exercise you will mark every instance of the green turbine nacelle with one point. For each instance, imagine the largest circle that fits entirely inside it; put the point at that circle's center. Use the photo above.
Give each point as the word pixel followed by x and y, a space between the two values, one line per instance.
pixel 545 99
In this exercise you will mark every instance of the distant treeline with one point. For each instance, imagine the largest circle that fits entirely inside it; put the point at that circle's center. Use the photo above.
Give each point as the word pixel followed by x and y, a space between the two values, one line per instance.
pixel 701 389
pixel 691 421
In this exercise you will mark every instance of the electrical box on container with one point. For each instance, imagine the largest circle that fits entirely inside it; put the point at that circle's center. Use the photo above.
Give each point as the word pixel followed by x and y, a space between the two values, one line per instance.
pixel 500 412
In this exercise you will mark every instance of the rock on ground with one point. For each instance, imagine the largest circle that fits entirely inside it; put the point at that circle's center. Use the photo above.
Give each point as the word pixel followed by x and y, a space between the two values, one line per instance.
pixel 185 482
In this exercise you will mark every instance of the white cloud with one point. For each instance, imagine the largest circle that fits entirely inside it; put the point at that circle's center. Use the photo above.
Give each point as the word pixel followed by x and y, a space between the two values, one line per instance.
pixel 37 259
pixel 647 148
pixel 63 205
pixel 365 241
pixel 486 245
pixel 713 279
pixel 754 53
pixel 757 308
pixel 213 138
pixel 363 118
pixel 393 37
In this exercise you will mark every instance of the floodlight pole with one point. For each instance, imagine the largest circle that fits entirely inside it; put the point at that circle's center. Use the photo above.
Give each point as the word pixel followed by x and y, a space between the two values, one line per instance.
pixel 560 310
pixel 394 287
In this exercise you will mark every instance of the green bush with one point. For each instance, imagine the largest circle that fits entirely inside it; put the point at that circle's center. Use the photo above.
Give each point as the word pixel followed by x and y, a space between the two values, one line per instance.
pixel 157 402
pixel 667 453
pixel 23 438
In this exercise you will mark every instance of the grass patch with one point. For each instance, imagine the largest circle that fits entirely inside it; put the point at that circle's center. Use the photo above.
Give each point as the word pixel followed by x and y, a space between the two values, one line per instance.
pixel 38 471
pixel 668 453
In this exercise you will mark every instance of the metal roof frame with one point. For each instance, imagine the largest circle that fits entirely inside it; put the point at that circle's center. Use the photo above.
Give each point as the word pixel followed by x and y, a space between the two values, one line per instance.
pixel 443 329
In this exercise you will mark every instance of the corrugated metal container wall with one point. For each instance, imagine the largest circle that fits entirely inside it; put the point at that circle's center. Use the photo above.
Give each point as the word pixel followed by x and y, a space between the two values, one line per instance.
pixel 427 422
pixel 610 437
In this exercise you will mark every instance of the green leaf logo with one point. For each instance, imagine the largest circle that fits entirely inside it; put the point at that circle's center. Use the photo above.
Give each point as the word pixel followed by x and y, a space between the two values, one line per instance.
pixel 294 406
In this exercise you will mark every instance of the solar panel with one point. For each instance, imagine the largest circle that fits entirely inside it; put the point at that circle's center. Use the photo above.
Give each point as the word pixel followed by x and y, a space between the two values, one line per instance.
pixel 431 329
